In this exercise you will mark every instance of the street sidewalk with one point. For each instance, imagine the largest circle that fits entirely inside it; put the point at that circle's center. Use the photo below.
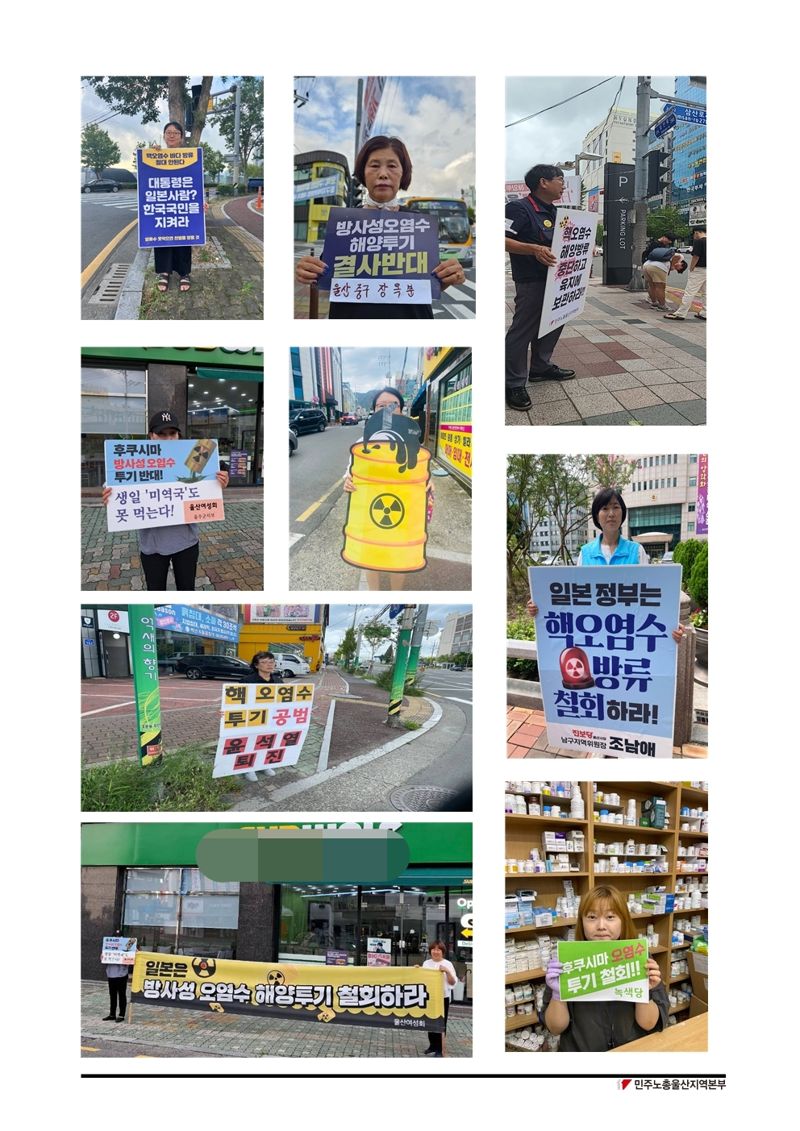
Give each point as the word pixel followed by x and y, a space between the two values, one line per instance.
pixel 231 552
pixel 227 278
pixel 526 737
pixel 191 1031
pixel 316 562
pixel 632 366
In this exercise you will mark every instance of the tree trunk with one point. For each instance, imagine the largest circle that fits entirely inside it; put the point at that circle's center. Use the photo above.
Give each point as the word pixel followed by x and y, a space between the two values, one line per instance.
pixel 176 99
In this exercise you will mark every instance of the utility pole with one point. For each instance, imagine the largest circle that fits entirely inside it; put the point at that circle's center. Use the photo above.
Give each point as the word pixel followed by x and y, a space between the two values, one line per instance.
pixel 643 96
pixel 416 645
pixel 359 112
pixel 400 665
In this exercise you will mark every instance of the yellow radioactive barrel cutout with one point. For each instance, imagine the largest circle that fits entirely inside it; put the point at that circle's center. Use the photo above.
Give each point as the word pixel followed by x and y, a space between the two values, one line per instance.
pixel 386 524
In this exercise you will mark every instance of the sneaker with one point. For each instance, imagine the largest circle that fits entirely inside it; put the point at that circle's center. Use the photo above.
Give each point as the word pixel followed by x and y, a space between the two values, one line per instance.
pixel 660 306
pixel 554 373
pixel 518 398
pixel 429 1052
pixel 676 317
pixel 702 317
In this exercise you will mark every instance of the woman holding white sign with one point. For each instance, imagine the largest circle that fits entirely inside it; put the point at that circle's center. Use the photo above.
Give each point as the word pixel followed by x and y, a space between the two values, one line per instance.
pixel 609 547
pixel 263 666
pixel 383 166
pixel 597 1026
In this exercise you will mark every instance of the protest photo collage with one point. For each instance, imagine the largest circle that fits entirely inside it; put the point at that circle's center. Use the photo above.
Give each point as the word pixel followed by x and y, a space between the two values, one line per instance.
pixel 300 829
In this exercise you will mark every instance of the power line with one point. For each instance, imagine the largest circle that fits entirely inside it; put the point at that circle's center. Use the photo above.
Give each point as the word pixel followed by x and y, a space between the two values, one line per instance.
pixel 563 102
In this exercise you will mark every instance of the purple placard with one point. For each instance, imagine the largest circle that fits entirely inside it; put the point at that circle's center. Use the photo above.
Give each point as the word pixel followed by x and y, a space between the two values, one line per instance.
pixel 701 523
pixel 170 197
pixel 374 255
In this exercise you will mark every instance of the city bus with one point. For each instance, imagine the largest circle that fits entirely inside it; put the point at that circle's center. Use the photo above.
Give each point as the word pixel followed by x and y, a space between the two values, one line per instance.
pixel 455 233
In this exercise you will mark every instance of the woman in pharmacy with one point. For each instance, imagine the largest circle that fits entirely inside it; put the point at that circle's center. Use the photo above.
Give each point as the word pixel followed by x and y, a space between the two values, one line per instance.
pixel 597 1026
pixel 439 961
pixel 609 547
pixel 383 166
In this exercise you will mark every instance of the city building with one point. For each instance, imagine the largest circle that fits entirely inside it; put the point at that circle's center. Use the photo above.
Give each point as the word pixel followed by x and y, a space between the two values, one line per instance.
pixel 667 495
pixel 143 880
pixel 688 189
pixel 214 392
pixel 615 140
pixel 444 409
pixel 311 215
pixel 315 379
pixel 456 635
pixel 284 628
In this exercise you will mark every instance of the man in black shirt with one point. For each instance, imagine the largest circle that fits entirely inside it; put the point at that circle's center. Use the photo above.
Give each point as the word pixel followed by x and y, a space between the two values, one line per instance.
pixel 696 283
pixel 530 226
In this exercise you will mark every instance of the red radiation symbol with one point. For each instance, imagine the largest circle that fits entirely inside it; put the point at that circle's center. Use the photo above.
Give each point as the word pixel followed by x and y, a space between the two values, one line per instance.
pixel 113 616
pixel 575 672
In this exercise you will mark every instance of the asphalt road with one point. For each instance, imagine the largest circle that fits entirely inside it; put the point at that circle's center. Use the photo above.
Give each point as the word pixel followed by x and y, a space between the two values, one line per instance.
pixel 316 473
pixel 103 215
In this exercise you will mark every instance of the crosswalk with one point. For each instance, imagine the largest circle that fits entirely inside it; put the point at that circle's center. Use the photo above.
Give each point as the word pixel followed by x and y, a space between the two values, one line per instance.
pixel 457 302
pixel 111 200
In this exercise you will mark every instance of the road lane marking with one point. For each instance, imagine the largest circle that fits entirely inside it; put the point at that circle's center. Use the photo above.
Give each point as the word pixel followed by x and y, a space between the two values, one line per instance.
pixel 101 256
pixel 110 707
pixel 310 510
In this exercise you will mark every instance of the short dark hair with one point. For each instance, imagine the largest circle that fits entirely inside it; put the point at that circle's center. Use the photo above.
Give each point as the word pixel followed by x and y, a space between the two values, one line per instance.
pixel 260 656
pixel 602 499
pixel 682 266
pixel 394 393
pixel 438 944
pixel 667 236
pixel 177 126
pixel 541 173
pixel 383 142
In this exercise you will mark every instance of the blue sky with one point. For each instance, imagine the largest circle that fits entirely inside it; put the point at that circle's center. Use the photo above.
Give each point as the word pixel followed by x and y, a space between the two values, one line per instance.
pixel 435 117
pixel 367 369
pixel 558 134
pixel 127 131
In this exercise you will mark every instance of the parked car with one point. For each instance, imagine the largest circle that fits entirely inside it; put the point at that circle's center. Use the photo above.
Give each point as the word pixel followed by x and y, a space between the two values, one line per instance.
pixel 212 667
pixel 100 185
pixel 293 442
pixel 289 664
pixel 348 418
pixel 308 420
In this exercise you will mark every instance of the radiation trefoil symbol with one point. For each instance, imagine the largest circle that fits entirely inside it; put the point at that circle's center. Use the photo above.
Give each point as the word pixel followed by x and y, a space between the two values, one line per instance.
pixel 387 511
pixel 575 669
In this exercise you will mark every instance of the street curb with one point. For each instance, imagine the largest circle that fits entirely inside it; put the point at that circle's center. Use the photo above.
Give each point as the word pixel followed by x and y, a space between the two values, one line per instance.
pixel 322 760
pixel 130 300
pixel 356 763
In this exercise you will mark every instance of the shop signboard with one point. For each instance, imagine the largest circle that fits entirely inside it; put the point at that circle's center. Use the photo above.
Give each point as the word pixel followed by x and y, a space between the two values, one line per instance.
pixel 118 951
pixel 194 621
pixel 113 620
pixel 568 281
pixel 319 186
pixel 170 197
pixel 280 614
pixel 605 970
pixel 393 997
pixel 146 688
pixel 607 659
pixel 262 726
pixel 375 256
pixel 162 483
pixel 454 442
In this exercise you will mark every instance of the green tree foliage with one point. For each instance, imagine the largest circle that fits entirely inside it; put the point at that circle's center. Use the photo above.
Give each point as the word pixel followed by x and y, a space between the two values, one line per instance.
pixel 346 652
pixel 251 119
pixel 559 487
pixel 697 586
pixel 598 237
pixel 213 162
pixel 141 96
pixel 685 554
pixel 666 221
pixel 374 634
pixel 98 151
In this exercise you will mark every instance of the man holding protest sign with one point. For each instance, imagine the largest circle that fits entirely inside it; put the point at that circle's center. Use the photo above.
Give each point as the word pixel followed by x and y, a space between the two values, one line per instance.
pixel 176 544
pixel 530 227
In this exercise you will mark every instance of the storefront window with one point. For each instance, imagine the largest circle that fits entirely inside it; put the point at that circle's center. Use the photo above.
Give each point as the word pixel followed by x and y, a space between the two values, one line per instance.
pixel 180 911
pixel 113 403
pixel 315 920
pixel 229 410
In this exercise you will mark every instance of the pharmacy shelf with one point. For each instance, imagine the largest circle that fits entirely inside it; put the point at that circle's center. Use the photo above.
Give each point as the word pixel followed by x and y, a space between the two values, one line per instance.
pixel 524 976
pixel 521 1020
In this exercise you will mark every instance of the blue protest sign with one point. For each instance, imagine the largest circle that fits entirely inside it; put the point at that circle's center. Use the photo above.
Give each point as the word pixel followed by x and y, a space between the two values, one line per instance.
pixel 607 660
pixel 162 483
pixel 170 196
pixel 377 256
